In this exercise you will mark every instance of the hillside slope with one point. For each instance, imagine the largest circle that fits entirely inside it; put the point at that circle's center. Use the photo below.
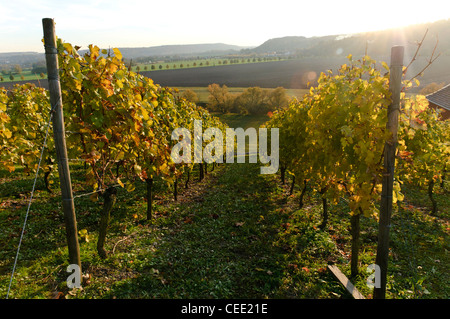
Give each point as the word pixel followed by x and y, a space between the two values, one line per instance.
pixel 376 43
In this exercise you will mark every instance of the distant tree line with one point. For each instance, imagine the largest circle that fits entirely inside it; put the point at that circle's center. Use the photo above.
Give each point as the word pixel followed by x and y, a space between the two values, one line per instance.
pixel 253 100
pixel 11 71
pixel 39 67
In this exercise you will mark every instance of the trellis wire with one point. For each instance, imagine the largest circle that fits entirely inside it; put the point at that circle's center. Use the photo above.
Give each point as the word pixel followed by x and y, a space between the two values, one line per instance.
pixel 97 191
pixel 31 196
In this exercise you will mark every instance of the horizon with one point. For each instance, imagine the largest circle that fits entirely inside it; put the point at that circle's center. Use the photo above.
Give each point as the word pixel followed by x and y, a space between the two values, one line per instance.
pixel 133 24
pixel 231 44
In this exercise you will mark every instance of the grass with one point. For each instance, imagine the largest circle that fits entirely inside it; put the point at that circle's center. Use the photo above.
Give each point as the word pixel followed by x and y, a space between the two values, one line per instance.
pixel 235 120
pixel 26 74
pixel 193 63
pixel 236 234
pixel 203 93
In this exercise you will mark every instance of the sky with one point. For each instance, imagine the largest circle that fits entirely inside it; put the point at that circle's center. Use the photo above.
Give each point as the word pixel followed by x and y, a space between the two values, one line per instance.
pixel 133 23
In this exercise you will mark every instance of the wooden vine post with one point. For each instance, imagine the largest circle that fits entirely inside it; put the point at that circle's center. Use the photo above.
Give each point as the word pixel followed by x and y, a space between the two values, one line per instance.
pixel 395 80
pixel 51 57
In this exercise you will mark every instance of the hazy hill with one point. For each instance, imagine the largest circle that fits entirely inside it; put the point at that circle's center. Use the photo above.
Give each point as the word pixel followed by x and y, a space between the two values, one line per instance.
pixel 377 43
pixel 290 44
pixel 180 50
pixel 21 58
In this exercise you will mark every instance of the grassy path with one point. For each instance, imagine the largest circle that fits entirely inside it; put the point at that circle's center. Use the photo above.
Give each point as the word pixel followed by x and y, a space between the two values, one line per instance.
pixel 220 245
pixel 231 238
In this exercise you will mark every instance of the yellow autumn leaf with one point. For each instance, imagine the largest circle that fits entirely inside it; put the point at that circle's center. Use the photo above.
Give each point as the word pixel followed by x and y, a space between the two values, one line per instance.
pixel 68 47
pixel 117 53
pixel 145 114
pixel 7 133
pixel 137 126
pixel 135 138
pixel 120 156
pixel 130 186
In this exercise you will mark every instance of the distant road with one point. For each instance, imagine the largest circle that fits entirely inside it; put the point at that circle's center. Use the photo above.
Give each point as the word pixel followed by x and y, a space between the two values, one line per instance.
pixel 290 74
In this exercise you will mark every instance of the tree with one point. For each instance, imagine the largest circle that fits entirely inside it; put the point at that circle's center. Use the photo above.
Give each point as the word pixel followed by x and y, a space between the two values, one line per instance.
pixel 430 88
pixel 39 67
pixel 17 69
pixel 190 96
pixel 219 98
pixel 277 99
pixel 253 100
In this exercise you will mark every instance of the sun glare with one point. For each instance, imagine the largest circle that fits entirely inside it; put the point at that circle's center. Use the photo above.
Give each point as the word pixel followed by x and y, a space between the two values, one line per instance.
pixel 246 23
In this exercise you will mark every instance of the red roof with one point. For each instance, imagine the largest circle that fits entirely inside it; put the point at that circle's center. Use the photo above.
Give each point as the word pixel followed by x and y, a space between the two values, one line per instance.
pixel 441 97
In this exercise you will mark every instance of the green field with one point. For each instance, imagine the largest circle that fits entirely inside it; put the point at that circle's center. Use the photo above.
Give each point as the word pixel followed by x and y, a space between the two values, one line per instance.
pixel 26 74
pixel 193 63
pixel 245 121
pixel 203 93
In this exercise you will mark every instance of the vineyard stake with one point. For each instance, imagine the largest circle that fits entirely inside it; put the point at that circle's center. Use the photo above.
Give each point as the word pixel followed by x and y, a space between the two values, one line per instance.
pixel 395 80
pixel 51 58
